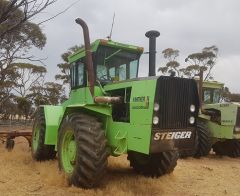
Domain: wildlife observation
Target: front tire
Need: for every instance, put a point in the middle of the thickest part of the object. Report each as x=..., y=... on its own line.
x=204, y=143
x=154, y=165
x=229, y=148
x=82, y=150
x=40, y=151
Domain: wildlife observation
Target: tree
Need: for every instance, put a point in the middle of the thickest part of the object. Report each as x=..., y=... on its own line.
x=204, y=60
x=15, y=44
x=14, y=13
x=172, y=64
x=28, y=76
x=54, y=93
x=50, y=93
x=64, y=67
x=24, y=106
x=230, y=97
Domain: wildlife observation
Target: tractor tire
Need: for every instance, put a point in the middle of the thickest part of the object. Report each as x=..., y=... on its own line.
x=154, y=165
x=82, y=150
x=204, y=143
x=10, y=144
x=229, y=148
x=40, y=151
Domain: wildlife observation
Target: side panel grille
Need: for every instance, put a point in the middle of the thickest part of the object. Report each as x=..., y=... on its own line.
x=175, y=95
x=238, y=117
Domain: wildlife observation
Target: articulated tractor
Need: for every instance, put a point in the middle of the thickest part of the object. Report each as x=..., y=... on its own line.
x=222, y=120
x=112, y=111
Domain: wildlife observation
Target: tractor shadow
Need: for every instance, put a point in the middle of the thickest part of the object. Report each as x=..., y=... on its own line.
x=127, y=180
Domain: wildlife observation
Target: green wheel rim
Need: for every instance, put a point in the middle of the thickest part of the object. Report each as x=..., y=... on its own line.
x=68, y=151
x=35, y=140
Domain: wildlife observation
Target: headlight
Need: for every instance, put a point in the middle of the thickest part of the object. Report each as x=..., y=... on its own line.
x=237, y=129
x=155, y=120
x=192, y=108
x=156, y=107
x=191, y=120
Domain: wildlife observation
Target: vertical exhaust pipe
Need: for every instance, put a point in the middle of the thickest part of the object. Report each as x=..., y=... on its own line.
x=89, y=60
x=152, y=35
x=200, y=89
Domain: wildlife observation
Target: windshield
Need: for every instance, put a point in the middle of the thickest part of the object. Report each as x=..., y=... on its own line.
x=115, y=64
x=211, y=95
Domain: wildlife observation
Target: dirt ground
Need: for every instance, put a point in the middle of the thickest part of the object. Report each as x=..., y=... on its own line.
x=212, y=175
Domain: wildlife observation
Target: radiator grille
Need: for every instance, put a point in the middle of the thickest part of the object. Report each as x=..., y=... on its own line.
x=175, y=95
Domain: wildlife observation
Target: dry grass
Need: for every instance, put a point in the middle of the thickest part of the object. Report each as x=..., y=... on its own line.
x=20, y=175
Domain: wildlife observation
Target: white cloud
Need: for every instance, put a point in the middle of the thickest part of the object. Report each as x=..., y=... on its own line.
x=187, y=25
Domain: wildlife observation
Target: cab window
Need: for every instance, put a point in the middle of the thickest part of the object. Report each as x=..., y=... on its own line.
x=115, y=64
x=77, y=72
x=211, y=95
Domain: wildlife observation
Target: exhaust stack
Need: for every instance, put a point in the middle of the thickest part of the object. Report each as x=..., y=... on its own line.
x=89, y=61
x=152, y=35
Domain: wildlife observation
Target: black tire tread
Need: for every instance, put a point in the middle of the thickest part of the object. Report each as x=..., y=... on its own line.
x=204, y=140
x=230, y=147
x=91, y=161
x=43, y=152
x=155, y=165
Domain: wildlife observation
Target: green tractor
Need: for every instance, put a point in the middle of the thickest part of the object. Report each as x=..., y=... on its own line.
x=218, y=124
x=111, y=111
x=222, y=120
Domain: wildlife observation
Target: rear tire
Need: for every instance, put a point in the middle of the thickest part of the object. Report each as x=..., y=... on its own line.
x=40, y=151
x=229, y=148
x=154, y=165
x=204, y=143
x=10, y=144
x=82, y=150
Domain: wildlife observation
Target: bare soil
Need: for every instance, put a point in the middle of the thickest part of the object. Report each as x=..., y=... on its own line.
x=212, y=175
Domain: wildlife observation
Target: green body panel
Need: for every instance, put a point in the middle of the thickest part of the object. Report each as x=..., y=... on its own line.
x=225, y=128
x=53, y=116
x=122, y=136
x=136, y=134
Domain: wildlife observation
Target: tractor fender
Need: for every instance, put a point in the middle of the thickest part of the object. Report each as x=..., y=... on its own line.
x=53, y=116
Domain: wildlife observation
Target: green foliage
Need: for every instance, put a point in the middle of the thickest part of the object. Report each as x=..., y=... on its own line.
x=50, y=93
x=24, y=106
x=28, y=76
x=15, y=13
x=16, y=43
x=172, y=64
x=204, y=60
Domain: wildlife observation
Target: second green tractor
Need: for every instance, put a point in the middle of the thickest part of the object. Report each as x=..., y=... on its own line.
x=221, y=122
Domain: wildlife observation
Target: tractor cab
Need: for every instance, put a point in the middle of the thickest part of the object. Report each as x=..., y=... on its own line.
x=212, y=92
x=112, y=62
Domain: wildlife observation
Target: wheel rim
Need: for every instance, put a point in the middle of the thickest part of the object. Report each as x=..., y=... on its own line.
x=35, y=140
x=68, y=151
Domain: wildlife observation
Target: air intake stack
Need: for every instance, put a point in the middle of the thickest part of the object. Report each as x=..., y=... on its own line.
x=152, y=35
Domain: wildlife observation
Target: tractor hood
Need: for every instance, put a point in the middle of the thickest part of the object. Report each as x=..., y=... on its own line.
x=226, y=113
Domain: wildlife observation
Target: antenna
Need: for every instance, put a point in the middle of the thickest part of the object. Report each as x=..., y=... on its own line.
x=110, y=35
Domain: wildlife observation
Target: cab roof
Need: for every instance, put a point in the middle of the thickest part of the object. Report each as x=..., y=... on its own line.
x=212, y=84
x=101, y=42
